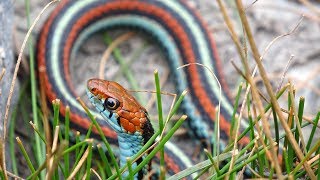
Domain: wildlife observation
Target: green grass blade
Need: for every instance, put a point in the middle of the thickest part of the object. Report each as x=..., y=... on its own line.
x=89, y=159
x=56, y=108
x=25, y=155
x=105, y=162
x=316, y=120
x=160, y=145
x=279, y=94
x=214, y=164
x=66, y=136
x=160, y=116
x=290, y=150
x=177, y=104
x=2, y=175
x=313, y=149
x=300, y=115
x=241, y=157
x=233, y=117
x=12, y=128
x=199, y=166
x=76, y=146
x=78, y=157
x=39, y=148
x=245, y=162
x=276, y=127
x=129, y=165
x=318, y=171
x=271, y=173
x=11, y=141
x=77, y=150
x=286, y=162
x=101, y=170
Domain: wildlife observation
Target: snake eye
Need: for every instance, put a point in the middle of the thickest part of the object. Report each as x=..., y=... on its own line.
x=111, y=103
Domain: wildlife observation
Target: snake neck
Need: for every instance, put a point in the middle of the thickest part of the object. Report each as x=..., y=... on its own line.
x=131, y=144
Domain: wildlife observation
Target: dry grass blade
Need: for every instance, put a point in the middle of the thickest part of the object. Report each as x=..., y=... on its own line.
x=269, y=46
x=314, y=159
x=281, y=36
x=45, y=111
x=18, y=64
x=251, y=5
x=255, y=147
x=265, y=124
x=284, y=73
x=285, y=8
x=2, y=73
x=248, y=88
x=15, y=177
x=55, y=159
x=303, y=117
x=84, y=176
x=50, y=164
x=255, y=94
x=55, y=139
x=96, y=173
x=311, y=6
x=152, y=100
x=168, y=118
x=6, y=115
x=268, y=86
x=109, y=50
x=2, y=158
x=81, y=162
x=218, y=108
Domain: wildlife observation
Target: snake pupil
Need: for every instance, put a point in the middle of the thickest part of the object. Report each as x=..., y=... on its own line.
x=111, y=103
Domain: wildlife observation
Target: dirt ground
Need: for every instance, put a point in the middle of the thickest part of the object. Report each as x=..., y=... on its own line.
x=268, y=20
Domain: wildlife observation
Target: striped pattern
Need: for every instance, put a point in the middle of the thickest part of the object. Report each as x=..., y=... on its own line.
x=178, y=30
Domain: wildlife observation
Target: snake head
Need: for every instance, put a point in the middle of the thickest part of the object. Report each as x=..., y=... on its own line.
x=121, y=110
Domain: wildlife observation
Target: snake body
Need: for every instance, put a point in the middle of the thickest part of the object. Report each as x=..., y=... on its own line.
x=179, y=31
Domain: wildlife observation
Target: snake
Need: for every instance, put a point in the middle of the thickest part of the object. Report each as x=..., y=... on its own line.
x=124, y=115
x=184, y=38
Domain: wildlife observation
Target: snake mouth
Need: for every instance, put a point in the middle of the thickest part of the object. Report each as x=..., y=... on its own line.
x=95, y=100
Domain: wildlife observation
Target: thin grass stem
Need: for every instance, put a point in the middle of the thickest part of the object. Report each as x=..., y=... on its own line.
x=160, y=118
x=311, y=137
x=94, y=121
x=25, y=155
x=105, y=162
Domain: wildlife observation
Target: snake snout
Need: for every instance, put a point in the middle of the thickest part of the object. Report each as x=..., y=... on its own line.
x=93, y=85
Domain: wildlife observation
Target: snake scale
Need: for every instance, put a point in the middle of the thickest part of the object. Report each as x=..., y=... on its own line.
x=178, y=30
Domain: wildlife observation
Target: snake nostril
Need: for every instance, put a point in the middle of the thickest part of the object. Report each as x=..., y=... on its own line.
x=92, y=89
